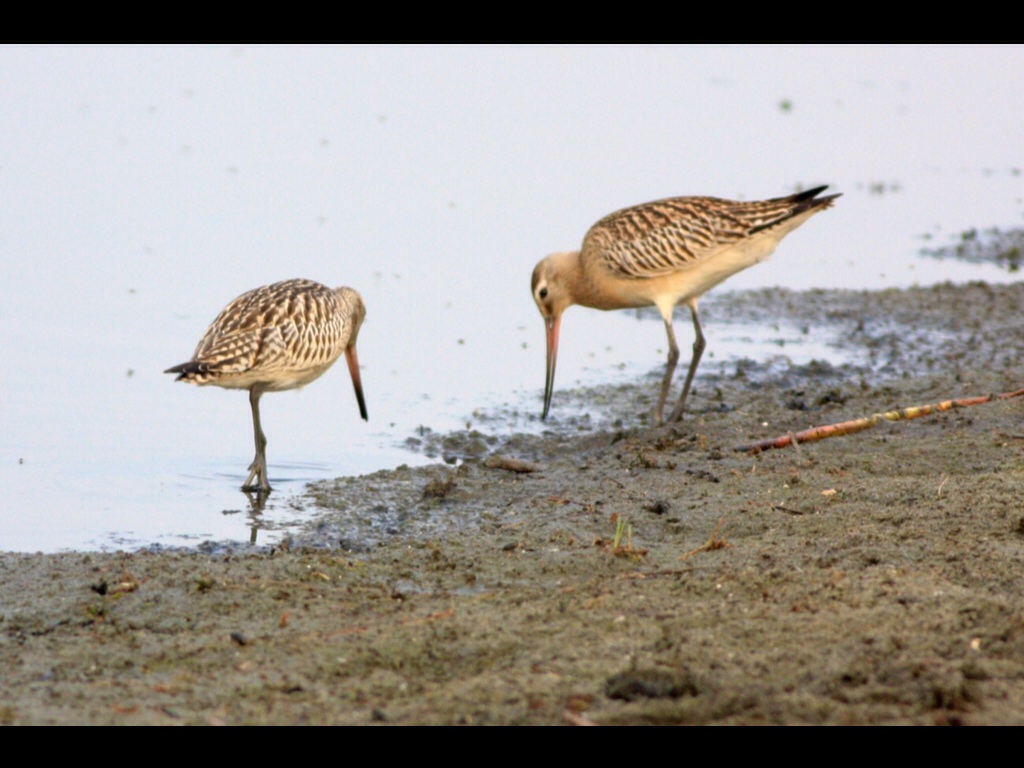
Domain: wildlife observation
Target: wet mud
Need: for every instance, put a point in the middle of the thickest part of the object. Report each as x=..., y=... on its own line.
x=600, y=572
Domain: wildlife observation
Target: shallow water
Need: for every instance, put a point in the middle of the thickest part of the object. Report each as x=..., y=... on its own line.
x=145, y=187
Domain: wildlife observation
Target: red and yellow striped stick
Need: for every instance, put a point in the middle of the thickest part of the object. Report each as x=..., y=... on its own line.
x=858, y=425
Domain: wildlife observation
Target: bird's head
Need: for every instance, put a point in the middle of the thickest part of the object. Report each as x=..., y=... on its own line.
x=551, y=286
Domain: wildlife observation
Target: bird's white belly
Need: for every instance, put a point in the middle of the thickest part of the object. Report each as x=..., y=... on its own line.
x=276, y=381
x=694, y=280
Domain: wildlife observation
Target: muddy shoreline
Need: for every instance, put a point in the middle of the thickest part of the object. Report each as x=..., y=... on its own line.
x=628, y=577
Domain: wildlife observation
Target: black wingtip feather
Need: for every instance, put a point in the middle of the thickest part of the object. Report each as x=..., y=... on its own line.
x=803, y=201
x=809, y=194
x=185, y=369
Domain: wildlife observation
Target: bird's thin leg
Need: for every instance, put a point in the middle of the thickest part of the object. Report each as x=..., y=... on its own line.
x=698, y=350
x=258, y=468
x=673, y=359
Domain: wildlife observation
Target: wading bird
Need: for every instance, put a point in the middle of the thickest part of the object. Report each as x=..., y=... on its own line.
x=277, y=337
x=664, y=253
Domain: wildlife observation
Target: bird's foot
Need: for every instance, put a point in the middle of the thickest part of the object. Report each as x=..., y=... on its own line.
x=667, y=432
x=677, y=414
x=656, y=420
x=258, y=472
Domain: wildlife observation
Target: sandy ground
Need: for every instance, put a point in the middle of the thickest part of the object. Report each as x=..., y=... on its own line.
x=631, y=577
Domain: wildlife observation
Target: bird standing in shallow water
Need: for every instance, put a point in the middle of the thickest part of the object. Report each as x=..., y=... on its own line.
x=277, y=337
x=664, y=253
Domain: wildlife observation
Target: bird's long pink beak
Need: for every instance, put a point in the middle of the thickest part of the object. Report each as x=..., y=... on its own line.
x=551, y=325
x=357, y=382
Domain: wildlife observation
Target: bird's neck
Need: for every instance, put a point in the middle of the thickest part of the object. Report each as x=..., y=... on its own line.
x=574, y=281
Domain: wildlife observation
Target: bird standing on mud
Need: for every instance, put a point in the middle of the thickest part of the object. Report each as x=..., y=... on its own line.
x=278, y=337
x=664, y=253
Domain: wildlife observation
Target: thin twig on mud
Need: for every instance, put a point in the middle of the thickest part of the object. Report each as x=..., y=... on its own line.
x=429, y=617
x=787, y=510
x=713, y=543
x=573, y=719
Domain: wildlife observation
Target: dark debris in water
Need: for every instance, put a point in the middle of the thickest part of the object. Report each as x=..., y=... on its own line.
x=1002, y=247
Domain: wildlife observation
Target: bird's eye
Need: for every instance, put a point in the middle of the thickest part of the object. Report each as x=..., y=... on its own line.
x=543, y=293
